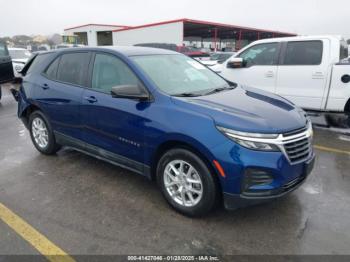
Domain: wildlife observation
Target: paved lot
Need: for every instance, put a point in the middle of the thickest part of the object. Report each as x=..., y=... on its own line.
x=86, y=206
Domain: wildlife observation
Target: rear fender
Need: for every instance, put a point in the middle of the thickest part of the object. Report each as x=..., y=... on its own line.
x=339, y=91
x=15, y=93
x=23, y=103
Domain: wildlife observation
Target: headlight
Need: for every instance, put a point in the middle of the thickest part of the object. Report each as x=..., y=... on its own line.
x=257, y=145
x=309, y=128
x=249, y=140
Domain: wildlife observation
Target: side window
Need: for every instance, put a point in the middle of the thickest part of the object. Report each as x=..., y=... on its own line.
x=303, y=53
x=344, y=53
x=3, y=50
x=261, y=54
x=51, y=71
x=72, y=68
x=36, y=63
x=110, y=71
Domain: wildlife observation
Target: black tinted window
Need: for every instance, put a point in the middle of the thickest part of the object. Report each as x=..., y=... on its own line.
x=51, y=71
x=109, y=71
x=36, y=63
x=262, y=54
x=344, y=53
x=303, y=53
x=72, y=68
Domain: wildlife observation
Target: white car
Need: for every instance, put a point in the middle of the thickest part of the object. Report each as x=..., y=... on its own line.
x=310, y=71
x=61, y=46
x=217, y=59
x=19, y=58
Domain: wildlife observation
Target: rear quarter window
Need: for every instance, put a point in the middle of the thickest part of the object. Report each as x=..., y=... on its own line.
x=51, y=71
x=37, y=63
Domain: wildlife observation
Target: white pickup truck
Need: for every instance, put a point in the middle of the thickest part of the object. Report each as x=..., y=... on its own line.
x=311, y=71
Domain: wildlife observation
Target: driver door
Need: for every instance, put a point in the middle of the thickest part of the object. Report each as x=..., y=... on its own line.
x=6, y=69
x=113, y=127
x=259, y=67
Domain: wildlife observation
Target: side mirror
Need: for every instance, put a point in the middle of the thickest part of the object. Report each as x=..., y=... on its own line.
x=130, y=92
x=235, y=62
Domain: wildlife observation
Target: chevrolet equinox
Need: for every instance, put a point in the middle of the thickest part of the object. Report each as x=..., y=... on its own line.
x=161, y=114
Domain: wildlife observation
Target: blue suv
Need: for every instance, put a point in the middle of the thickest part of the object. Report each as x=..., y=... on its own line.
x=161, y=114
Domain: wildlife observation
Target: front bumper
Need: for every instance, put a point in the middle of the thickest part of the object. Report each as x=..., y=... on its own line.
x=235, y=201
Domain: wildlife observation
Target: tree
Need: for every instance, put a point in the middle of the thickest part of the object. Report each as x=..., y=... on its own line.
x=348, y=41
x=54, y=39
x=22, y=39
x=5, y=39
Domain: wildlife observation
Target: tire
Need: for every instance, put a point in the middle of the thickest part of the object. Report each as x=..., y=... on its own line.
x=175, y=193
x=50, y=146
x=0, y=92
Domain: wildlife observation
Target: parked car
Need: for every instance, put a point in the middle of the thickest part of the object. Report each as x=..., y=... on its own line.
x=43, y=48
x=189, y=51
x=166, y=116
x=193, y=52
x=6, y=70
x=61, y=46
x=19, y=58
x=218, y=65
x=305, y=69
x=217, y=58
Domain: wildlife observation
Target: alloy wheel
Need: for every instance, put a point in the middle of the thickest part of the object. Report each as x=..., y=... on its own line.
x=183, y=183
x=40, y=132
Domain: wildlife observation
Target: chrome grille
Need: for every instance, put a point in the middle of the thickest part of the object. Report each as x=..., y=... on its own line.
x=294, y=132
x=297, y=146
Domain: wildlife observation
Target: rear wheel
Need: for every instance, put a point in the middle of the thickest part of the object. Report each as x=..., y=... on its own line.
x=41, y=134
x=186, y=182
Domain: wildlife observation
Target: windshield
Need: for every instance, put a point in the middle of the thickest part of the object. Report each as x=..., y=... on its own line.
x=178, y=74
x=19, y=54
x=220, y=56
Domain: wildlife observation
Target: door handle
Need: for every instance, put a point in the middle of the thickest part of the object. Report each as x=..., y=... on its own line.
x=91, y=99
x=269, y=74
x=317, y=75
x=45, y=86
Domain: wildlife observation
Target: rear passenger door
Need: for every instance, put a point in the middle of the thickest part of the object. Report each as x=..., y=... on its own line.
x=302, y=73
x=61, y=87
x=6, y=69
x=113, y=124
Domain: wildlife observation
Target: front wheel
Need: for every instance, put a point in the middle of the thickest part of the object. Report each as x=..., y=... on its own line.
x=41, y=134
x=186, y=182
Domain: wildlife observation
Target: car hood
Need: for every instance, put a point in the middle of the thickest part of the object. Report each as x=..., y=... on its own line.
x=20, y=60
x=209, y=62
x=248, y=110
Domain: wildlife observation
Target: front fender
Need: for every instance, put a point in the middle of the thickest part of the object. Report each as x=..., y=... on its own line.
x=190, y=141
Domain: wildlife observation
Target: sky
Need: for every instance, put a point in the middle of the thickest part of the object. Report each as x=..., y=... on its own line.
x=46, y=17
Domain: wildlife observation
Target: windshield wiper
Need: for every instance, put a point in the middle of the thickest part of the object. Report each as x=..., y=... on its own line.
x=186, y=94
x=219, y=89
